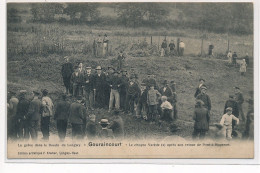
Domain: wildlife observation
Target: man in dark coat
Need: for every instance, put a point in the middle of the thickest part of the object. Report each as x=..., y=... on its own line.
x=117, y=126
x=77, y=116
x=66, y=72
x=240, y=100
x=142, y=106
x=201, y=117
x=11, y=116
x=21, y=116
x=133, y=94
x=150, y=80
x=123, y=89
x=34, y=115
x=205, y=98
x=81, y=73
x=99, y=86
x=166, y=90
x=61, y=116
x=88, y=88
x=198, y=90
x=120, y=60
x=211, y=47
x=234, y=59
x=172, y=47
x=75, y=82
x=231, y=102
x=91, y=127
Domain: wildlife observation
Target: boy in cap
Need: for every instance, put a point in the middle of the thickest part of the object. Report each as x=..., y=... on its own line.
x=105, y=133
x=91, y=127
x=167, y=110
x=226, y=122
x=152, y=100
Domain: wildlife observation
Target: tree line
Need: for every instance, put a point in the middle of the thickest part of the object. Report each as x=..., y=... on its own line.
x=213, y=17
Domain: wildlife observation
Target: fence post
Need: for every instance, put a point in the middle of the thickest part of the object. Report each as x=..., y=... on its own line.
x=151, y=40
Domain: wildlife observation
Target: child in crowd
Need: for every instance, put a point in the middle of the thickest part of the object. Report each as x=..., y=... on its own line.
x=226, y=122
x=167, y=108
x=152, y=100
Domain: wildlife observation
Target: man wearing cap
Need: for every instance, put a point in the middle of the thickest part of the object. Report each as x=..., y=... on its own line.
x=205, y=98
x=34, y=115
x=226, y=122
x=166, y=90
x=123, y=89
x=172, y=47
x=81, y=79
x=120, y=60
x=201, y=117
x=163, y=48
x=105, y=133
x=75, y=82
x=240, y=100
x=117, y=126
x=12, y=110
x=77, y=115
x=198, y=90
x=142, y=106
x=66, y=72
x=132, y=96
x=21, y=116
x=99, y=86
x=115, y=84
x=47, y=113
x=61, y=116
x=88, y=88
x=150, y=80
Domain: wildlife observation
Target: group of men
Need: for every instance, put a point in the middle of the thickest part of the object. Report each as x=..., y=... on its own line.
x=100, y=46
x=170, y=49
x=232, y=111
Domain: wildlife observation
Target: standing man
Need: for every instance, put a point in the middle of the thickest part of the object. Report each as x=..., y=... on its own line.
x=66, y=72
x=75, y=82
x=123, y=89
x=198, y=90
x=21, y=116
x=47, y=113
x=99, y=86
x=166, y=90
x=234, y=59
x=88, y=88
x=76, y=118
x=240, y=100
x=11, y=116
x=120, y=60
x=81, y=79
x=172, y=47
x=115, y=84
x=211, y=47
x=105, y=45
x=229, y=56
x=203, y=96
x=34, y=115
x=182, y=47
x=163, y=48
x=61, y=116
x=142, y=107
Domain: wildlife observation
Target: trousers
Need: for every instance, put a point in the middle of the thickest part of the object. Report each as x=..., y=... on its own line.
x=33, y=128
x=45, y=127
x=76, y=131
x=199, y=132
x=62, y=128
x=227, y=130
x=89, y=95
x=114, y=95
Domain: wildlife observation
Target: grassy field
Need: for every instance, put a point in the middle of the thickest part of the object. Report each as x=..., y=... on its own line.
x=30, y=70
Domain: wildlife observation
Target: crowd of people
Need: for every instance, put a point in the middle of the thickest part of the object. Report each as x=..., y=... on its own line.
x=170, y=49
x=233, y=60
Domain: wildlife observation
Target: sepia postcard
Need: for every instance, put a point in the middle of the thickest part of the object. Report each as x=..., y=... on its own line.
x=132, y=80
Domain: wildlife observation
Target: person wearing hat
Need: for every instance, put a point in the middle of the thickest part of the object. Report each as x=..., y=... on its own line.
x=77, y=115
x=120, y=60
x=11, y=116
x=47, y=113
x=166, y=90
x=153, y=97
x=211, y=47
x=117, y=125
x=181, y=47
x=198, y=89
x=123, y=89
x=105, y=45
x=34, y=115
x=61, y=116
x=172, y=47
x=240, y=100
x=133, y=94
x=243, y=66
x=75, y=82
x=21, y=116
x=150, y=80
x=142, y=106
x=163, y=48
x=234, y=59
x=105, y=132
x=99, y=88
x=91, y=127
x=204, y=97
x=88, y=88
x=231, y=102
x=114, y=83
x=201, y=117
x=226, y=122
x=166, y=110
x=66, y=72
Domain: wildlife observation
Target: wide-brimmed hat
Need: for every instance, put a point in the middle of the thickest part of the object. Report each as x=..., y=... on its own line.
x=104, y=121
x=22, y=92
x=98, y=68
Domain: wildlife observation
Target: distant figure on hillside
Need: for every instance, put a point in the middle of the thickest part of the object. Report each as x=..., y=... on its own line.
x=247, y=59
x=198, y=90
x=229, y=57
x=66, y=72
x=234, y=59
x=120, y=60
x=182, y=47
x=172, y=47
x=211, y=47
x=201, y=117
x=243, y=66
x=105, y=45
x=163, y=48
x=99, y=47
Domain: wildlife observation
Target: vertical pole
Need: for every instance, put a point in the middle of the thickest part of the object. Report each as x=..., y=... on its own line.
x=201, y=50
x=228, y=43
x=151, y=40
